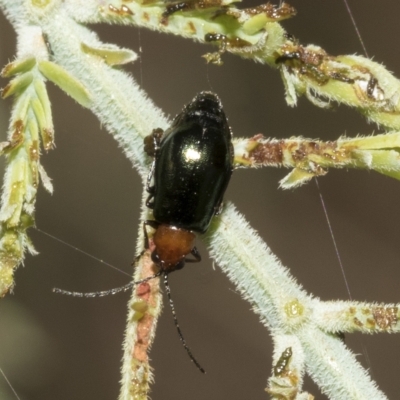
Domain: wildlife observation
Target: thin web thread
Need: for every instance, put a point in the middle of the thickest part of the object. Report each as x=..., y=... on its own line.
x=82, y=251
x=356, y=27
x=9, y=384
x=364, y=348
x=333, y=239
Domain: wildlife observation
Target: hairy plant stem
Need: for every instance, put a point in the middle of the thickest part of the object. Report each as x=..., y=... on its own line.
x=82, y=66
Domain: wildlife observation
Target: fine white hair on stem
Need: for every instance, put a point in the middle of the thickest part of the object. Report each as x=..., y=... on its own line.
x=54, y=44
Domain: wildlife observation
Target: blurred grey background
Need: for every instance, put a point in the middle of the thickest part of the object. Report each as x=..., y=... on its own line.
x=57, y=347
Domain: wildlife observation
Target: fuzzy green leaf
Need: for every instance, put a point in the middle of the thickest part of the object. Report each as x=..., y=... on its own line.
x=65, y=81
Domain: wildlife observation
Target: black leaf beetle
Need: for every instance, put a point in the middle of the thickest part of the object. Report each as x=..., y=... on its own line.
x=193, y=163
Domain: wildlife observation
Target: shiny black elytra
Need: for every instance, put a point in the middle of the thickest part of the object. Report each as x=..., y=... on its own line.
x=193, y=163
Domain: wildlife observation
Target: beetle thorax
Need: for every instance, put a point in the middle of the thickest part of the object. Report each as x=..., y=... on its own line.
x=172, y=245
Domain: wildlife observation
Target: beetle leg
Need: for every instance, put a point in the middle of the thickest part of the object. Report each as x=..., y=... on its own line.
x=146, y=243
x=150, y=222
x=195, y=253
x=218, y=208
x=150, y=189
x=152, y=142
x=149, y=203
x=146, y=236
x=137, y=258
x=153, y=224
x=152, y=147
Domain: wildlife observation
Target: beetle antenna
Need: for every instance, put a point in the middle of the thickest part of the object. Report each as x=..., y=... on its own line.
x=171, y=303
x=106, y=292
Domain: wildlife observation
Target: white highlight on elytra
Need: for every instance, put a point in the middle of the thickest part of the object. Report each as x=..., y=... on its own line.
x=192, y=155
